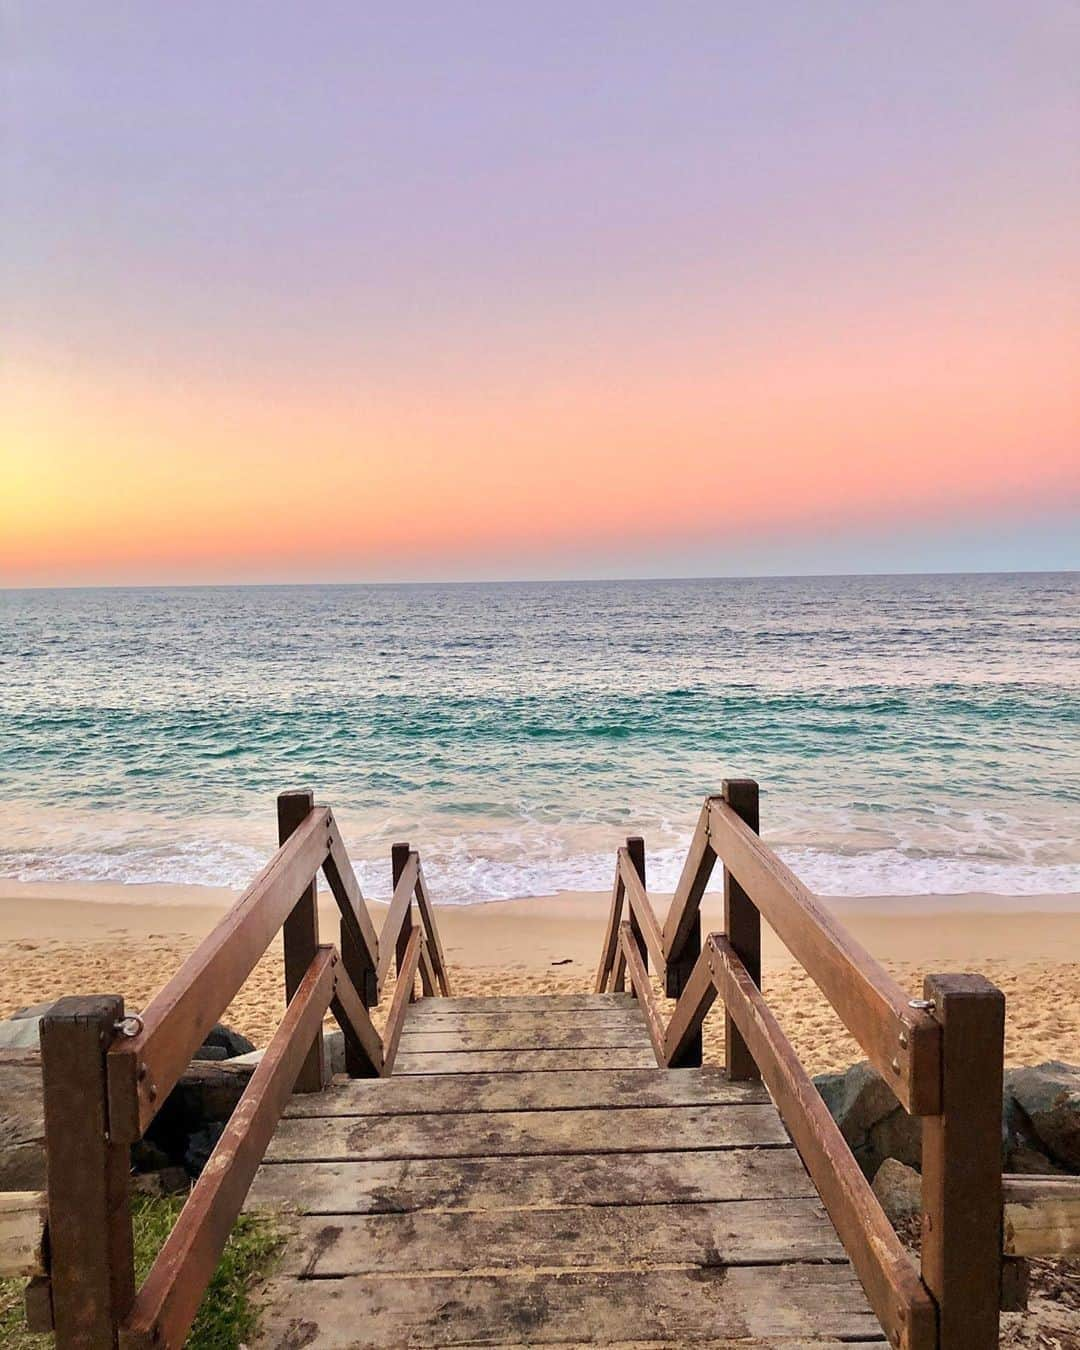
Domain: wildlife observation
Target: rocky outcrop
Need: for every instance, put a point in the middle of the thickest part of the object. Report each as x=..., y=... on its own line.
x=1040, y=1129
x=872, y=1121
x=1042, y=1108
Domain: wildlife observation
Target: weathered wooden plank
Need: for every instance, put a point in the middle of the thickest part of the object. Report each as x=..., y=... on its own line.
x=1042, y=1216
x=430, y=1020
x=600, y=1179
x=498, y=1004
x=486, y=1134
x=721, y=1233
x=526, y=1035
x=455, y=1093
x=520, y=1061
x=783, y=1301
x=22, y=1233
x=682, y=1039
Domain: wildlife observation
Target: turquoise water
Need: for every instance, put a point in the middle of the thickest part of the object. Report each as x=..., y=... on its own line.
x=911, y=734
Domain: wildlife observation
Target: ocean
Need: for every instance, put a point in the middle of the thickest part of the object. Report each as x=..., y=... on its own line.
x=910, y=734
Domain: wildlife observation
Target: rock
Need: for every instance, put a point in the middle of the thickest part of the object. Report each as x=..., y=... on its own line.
x=230, y=1042
x=164, y=1181
x=1042, y=1105
x=200, y=1145
x=898, y=1189
x=206, y=1095
x=864, y=1107
x=896, y=1135
x=212, y=1053
x=22, y=1123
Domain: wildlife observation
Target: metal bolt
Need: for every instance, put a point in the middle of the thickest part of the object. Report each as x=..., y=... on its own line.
x=895, y=1066
x=903, y=1040
x=151, y=1092
x=922, y=1004
x=129, y=1026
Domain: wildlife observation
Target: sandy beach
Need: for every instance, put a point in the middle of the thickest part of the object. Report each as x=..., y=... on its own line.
x=83, y=938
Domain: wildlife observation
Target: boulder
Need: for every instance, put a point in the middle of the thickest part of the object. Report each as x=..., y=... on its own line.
x=230, y=1044
x=22, y=1123
x=1042, y=1112
x=898, y=1189
x=870, y=1118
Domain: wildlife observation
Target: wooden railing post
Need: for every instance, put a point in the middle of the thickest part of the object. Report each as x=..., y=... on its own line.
x=742, y=924
x=635, y=849
x=91, y=1264
x=300, y=934
x=399, y=857
x=961, y=1164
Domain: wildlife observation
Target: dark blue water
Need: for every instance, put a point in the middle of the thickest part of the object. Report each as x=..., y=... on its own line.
x=910, y=734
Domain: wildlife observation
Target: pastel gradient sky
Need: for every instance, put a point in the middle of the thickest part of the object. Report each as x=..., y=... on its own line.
x=365, y=292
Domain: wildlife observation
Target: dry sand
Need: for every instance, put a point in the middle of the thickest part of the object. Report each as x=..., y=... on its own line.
x=74, y=938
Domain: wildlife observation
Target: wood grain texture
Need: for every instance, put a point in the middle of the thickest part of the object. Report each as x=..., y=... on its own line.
x=731, y=1233
x=785, y=1301
x=1041, y=1216
x=524, y=1061
x=516, y=1183
x=490, y=1134
x=534, y=1035
x=22, y=1233
x=455, y=1093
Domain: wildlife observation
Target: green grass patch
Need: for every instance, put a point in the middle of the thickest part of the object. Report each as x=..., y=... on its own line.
x=227, y=1315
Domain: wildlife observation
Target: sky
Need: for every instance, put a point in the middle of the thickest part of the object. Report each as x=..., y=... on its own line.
x=486, y=290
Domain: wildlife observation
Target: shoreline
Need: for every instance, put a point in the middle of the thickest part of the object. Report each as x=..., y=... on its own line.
x=58, y=938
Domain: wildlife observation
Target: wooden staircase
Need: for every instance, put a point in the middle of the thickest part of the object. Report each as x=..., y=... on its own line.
x=529, y=1176
x=540, y=1170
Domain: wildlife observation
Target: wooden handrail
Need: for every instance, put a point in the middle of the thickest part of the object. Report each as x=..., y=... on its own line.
x=396, y=916
x=395, y=1018
x=951, y=1304
x=897, y=1295
x=144, y=1069
x=166, y=1305
x=903, y=1044
x=642, y=909
x=104, y=1085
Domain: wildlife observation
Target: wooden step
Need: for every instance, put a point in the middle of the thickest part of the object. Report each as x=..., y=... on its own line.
x=455, y=1093
x=513, y=1182
x=528, y=1176
x=780, y=1305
